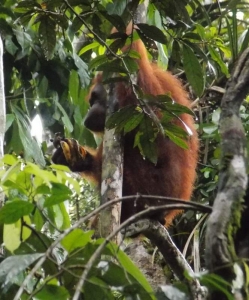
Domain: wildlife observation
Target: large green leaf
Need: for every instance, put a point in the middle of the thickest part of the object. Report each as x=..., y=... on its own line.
x=216, y=57
x=131, y=268
x=14, y=210
x=152, y=32
x=82, y=70
x=122, y=118
x=26, y=6
x=115, y=20
x=51, y=292
x=193, y=70
x=58, y=193
x=76, y=239
x=47, y=36
x=96, y=288
x=117, y=7
x=145, y=138
x=13, y=265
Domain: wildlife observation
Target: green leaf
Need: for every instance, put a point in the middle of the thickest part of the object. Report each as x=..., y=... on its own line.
x=52, y=292
x=112, y=66
x=175, y=139
x=133, y=122
x=117, y=7
x=73, y=87
x=59, y=193
x=13, y=170
x=216, y=116
x=145, y=138
x=130, y=64
x=152, y=32
x=216, y=282
x=193, y=70
x=30, y=145
x=12, y=235
x=118, y=119
x=165, y=103
x=47, y=36
x=177, y=130
x=131, y=268
x=82, y=70
x=9, y=120
x=96, y=288
x=66, y=223
x=59, y=216
x=42, y=189
x=97, y=61
x=38, y=220
x=66, y=121
x=9, y=159
x=45, y=175
x=216, y=57
x=13, y=265
x=245, y=40
x=14, y=210
x=76, y=239
x=115, y=20
x=26, y=6
x=88, y=47
x=117, y=44
x=209, y=129
x=24, y=39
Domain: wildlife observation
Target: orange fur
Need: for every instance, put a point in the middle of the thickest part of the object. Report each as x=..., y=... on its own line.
x=174, y=174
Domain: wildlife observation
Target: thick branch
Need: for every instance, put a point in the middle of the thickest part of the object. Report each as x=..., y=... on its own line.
x=225, y=218
x=112, y=176
x=159, y=235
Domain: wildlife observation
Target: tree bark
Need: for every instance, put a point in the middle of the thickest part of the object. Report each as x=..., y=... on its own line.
x=224, y=221
x=112, y=176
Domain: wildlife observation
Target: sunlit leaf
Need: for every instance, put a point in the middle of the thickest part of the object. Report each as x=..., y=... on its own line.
x=76, y=239
x=14, y=210
x=51, y=292
x=26, y=232
x=59, y=193
x=9, y=159
x=12, y=235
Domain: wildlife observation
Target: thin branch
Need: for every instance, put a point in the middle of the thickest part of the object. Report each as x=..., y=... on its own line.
x=2, y=114
x=77, y=224
x=108, y=239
